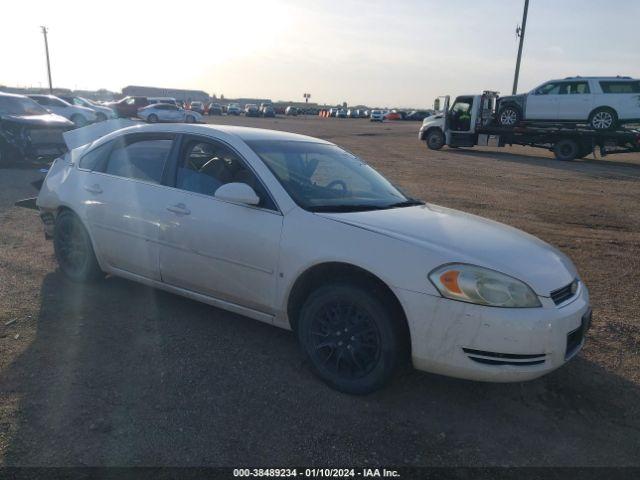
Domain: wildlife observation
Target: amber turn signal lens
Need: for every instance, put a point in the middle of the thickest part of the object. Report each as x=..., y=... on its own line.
x=450, y=280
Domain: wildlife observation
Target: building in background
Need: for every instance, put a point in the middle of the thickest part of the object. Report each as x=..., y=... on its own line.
x=177, y=93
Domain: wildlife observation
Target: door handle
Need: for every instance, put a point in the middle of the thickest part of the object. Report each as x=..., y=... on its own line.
x=95, y=188
x=179, y=208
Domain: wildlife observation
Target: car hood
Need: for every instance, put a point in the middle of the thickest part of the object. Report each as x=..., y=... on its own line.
x=454, y=236
x=43, y=120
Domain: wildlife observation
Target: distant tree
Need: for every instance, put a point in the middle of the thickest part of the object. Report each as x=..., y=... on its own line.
x=221, y=96
x=344, y=104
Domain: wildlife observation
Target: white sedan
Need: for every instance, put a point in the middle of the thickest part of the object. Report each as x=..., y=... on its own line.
x=166, y=112
x=78, y=114
x=298, y=233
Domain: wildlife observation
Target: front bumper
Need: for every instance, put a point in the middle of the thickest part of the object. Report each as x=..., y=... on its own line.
x=494, y=344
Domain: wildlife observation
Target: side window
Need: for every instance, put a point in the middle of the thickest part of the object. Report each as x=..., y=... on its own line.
x=43, y=101
x=141, y=158
x=94, y=158
x=549, y=89
x=204, y=166
x=571, y=88
x=632, y=86
x=130, y=101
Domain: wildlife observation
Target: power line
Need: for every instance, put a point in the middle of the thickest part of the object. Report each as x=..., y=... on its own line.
x=520, y=33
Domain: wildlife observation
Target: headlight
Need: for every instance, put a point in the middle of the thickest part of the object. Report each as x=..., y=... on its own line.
x=468, y=283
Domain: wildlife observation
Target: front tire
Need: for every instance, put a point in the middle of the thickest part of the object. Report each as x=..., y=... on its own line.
x=435, y=139
x=509, y=116
x=153, y=118
x=101, y=117
x=190, y=119
x=350, y=337
x=603, y=119
x=73, y=249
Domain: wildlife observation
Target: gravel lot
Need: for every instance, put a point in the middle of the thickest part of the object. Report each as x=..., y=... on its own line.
x=120, y=374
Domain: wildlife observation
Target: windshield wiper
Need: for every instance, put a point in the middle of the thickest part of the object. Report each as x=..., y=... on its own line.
x=411, y=202
x=345, y=208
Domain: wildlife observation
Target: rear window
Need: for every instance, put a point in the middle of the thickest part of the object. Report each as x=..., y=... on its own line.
x=632, y=86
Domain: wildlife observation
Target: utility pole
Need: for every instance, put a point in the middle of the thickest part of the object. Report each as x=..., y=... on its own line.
x=520, y=33
x=46, y=49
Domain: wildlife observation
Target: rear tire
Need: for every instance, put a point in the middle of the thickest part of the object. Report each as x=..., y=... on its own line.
x=190, y=119
x=603, y=118
x=509, y=116
x=351, y=338
x=435, y=139
x=566, y=150
x=73, y=249
x=101, y=117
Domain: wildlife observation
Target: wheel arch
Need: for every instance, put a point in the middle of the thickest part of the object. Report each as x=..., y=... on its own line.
x=430, y=129
x=604, y=107
x=327, y=272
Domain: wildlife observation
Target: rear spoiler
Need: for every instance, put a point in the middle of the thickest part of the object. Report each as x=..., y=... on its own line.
x=84, y=135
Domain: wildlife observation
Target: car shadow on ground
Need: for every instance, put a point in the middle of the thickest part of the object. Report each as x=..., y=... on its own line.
x=121, y=374
x=585, y=165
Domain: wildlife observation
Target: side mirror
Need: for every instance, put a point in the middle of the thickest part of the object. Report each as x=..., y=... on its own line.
x=237, y=193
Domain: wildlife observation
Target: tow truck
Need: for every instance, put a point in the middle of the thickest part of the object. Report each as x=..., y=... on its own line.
x=471, y=121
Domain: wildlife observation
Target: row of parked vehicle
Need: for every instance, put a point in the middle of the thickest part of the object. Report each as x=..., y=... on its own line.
x=377, y=115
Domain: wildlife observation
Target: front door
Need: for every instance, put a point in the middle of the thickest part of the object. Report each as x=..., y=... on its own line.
x=542, y=103
x=209, y=246
x=124, y=201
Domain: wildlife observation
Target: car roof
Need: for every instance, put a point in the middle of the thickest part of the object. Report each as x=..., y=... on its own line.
x=14, y=95
x=592, y=78
x=246, y=134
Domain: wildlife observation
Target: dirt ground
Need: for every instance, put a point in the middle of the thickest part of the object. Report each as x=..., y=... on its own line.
x=120, y=374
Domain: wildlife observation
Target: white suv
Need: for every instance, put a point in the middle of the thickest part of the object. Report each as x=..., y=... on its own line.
x=602, y=102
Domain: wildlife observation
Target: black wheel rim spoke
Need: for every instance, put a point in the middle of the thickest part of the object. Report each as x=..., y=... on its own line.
x=345, y=339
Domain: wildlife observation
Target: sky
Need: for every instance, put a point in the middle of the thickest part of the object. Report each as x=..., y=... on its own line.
x=387, y=53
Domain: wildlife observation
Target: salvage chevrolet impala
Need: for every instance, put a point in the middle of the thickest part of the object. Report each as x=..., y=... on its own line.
x=299, y=233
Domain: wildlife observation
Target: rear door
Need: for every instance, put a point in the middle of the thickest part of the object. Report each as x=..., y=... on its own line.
x=575, y=101
x=542, y=103
x=224, y=250
x=125, y=200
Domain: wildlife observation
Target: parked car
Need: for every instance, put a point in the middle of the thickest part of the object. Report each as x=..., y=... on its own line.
x=601, y=102
x=170, y=100
x=102, y=113
x=251, y=110
x=341, y=113
x=418, y=115
x=28, y=130
x=165, y=112
x=292, y=111
x=233, y=109
x=353, y=113
x=268, y=111
x=128, y=106
x=376, y=116
x=197, y=107
x=295, y=243
x=214, y=109
x=80, y=116
x=393, y=115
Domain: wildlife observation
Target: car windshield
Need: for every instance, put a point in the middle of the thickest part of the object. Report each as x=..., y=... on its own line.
x=324, y=178
x=20, y=106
